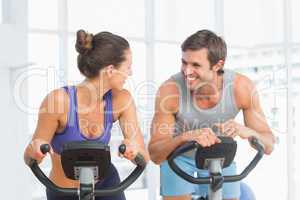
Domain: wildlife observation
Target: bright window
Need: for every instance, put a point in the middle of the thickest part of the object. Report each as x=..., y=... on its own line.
x=43, y=14
x=121, y=17
x=1, y=12
x=295, y=21
x=256, y=22
x=167, y=61
x=43, y=49
x=43, y=75
x=175, y=19
x=254, y=34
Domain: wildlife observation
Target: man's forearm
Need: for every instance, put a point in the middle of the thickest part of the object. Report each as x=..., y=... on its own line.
x=160, y=150
x=267, y=140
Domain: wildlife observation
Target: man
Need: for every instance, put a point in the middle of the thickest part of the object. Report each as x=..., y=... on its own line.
x=201, y=98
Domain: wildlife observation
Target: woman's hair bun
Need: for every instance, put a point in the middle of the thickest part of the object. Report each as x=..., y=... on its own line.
x=84, y=42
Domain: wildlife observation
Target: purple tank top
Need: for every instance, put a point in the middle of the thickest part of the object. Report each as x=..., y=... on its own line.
x=72, y=131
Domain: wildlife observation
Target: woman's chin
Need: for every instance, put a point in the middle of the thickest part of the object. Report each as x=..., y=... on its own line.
x=119, y=88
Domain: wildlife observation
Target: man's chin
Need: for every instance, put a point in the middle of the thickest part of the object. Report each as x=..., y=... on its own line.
x=190, y=87
x=191, y=83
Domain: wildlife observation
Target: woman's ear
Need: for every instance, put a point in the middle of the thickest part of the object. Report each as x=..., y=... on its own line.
x=109, y=70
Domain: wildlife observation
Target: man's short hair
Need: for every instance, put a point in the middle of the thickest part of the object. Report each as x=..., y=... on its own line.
x=206, y=39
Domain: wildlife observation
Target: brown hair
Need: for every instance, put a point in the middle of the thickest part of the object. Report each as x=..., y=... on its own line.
x=98, y=51
x=214, y=44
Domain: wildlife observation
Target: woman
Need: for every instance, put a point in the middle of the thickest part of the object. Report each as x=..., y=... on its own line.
x=87, y=111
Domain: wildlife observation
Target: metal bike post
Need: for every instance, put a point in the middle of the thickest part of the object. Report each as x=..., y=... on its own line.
x=215, y=189
x=86, y=178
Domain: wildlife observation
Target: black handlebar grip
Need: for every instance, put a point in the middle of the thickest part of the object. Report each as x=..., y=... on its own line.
x=122, y=148
x=139, y=160
x=45, y=148
x=257, y=144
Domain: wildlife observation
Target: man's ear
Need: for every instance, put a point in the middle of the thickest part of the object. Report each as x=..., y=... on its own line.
x=109, y=70
x=218, y=66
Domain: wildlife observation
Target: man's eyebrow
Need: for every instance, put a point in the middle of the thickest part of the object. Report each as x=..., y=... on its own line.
x=196, y=64
x=193, y=63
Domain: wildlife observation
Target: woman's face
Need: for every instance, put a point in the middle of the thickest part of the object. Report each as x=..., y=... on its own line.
x=121, y=73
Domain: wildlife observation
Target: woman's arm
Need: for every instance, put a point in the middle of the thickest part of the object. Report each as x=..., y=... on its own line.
x=128, y=121
x=48, y=122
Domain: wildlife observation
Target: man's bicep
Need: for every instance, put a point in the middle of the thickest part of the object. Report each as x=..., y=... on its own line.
x=166, y=103
x=162, y=125
x=254, y=116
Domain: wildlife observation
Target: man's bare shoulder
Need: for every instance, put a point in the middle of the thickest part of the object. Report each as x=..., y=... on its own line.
x=168, y=96
x=169, y=87
x=244, y=89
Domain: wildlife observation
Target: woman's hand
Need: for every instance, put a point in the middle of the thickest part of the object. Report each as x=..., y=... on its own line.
x=34, y=151
x=132, y=149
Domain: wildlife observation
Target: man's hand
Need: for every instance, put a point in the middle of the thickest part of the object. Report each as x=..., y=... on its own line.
x=232, y=129
x=205, y=137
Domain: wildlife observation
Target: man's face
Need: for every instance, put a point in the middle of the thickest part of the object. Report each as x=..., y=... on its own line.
x=196, y=68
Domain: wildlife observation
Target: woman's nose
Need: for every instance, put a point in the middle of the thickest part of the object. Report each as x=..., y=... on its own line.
x=130, y=72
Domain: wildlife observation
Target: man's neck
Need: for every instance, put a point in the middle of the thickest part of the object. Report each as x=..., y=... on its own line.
x=210, y=90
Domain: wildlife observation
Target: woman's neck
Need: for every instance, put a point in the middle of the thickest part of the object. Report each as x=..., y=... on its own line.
x=93, y=89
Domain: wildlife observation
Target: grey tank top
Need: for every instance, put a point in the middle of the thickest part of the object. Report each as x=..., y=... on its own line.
x=191, y=117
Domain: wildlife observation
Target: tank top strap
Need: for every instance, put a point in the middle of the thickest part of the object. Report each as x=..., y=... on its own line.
x=229, y=96
x=108, y=112
x=185, y=98
x=72, y=113
x=108, y=106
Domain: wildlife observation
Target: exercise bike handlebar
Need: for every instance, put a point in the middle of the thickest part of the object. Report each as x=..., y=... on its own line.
x=207, y=180
x=141, y=164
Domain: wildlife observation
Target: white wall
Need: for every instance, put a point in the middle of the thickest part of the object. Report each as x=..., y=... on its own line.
x=13, y=53
x=13, y=173
x=13, y=29
x=13, y=42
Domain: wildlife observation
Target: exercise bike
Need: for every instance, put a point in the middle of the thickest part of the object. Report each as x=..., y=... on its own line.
x=213, y=159
x=88, y=162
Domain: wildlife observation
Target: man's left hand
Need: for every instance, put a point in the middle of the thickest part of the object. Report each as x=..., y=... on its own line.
x=232, y=129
